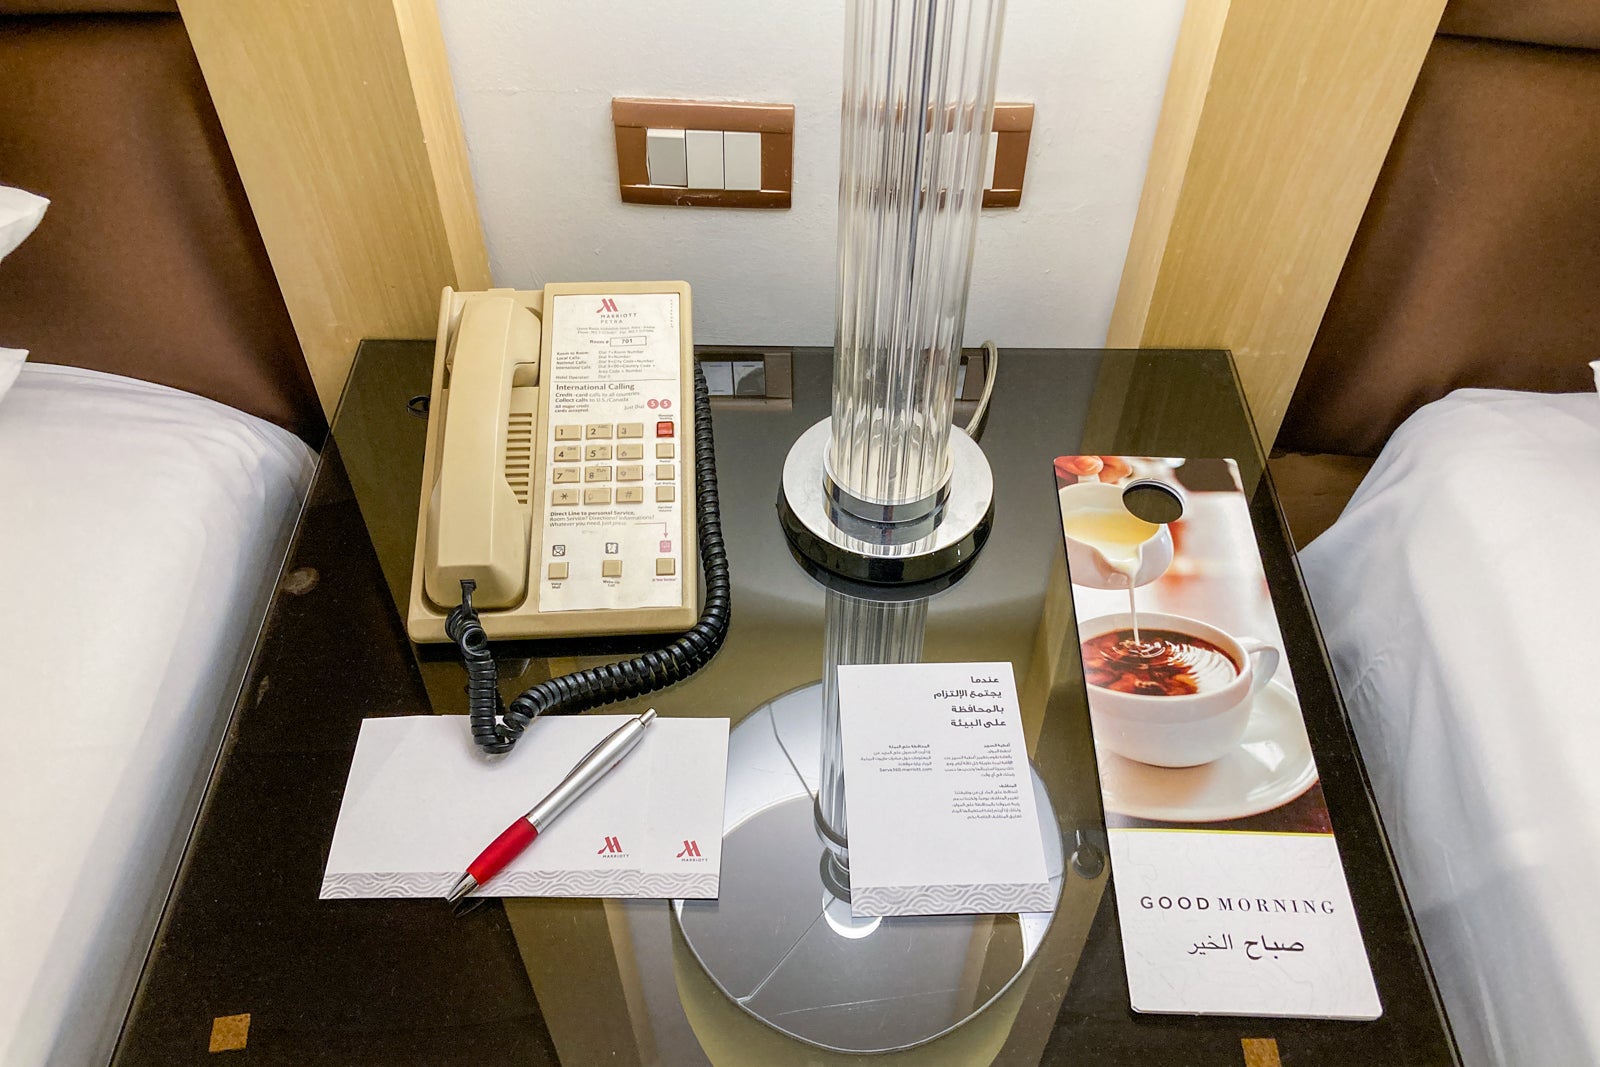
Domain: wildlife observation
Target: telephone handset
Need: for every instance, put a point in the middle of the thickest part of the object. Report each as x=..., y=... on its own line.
x=476, y=526
x=567, y=483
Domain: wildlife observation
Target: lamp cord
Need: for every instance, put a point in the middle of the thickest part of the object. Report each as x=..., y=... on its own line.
x=496, y=727
x=974, y=426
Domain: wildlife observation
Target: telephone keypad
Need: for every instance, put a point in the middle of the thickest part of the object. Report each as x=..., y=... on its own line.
x=608, y=469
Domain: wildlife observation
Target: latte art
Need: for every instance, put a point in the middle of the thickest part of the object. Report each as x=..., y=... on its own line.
x=1157, y=663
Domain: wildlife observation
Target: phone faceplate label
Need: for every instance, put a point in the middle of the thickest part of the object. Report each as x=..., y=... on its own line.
x=614, y=383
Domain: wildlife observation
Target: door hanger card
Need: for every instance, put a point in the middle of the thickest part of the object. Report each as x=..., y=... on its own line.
x=1230, y=892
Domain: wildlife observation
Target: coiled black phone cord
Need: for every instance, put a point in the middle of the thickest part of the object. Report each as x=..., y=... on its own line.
x=496, y=728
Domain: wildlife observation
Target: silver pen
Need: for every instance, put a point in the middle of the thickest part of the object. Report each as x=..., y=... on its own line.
x=600, y=761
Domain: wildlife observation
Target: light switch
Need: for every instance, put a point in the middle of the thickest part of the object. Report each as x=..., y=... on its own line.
x=666, y=158
x=749, y=377
x=741, y=160
x=719, y=377
x=705, y=158
x=988, y=162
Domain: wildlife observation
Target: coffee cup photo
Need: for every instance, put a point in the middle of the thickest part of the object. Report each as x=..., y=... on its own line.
x=1180, y=695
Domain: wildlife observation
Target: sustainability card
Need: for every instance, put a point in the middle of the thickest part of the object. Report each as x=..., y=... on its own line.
x=938, y=791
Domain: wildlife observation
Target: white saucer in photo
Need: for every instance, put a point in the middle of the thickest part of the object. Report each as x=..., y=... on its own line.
x=1270, y=767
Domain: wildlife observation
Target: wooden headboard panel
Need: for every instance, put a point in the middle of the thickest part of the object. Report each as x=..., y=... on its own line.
x=149, y=262
x=1478, y=259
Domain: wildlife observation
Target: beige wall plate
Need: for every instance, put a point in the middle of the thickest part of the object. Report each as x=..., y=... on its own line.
x=634, y=120
x=1013, y=127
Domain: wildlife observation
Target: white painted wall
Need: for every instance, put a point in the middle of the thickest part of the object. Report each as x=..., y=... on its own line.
x=534, y=81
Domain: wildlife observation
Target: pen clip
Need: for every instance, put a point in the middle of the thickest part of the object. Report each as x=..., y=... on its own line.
x=582, y=763
x=598, y=745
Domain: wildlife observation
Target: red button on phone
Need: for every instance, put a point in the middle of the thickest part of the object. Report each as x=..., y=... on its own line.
x=663, y=429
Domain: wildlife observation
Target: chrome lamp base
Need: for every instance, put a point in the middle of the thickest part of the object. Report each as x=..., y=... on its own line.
x=890, y=546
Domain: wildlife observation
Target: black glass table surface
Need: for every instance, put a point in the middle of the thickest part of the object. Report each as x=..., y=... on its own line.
x=642, y=982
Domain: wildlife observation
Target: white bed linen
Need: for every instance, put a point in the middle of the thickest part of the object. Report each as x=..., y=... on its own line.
x=141, y=529
x=1458, y=594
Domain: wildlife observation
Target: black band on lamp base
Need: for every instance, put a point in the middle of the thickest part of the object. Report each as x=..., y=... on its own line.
x=941, y=541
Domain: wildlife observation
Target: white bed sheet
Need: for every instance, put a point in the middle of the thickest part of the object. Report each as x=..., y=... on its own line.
x=1458, y=594
x=141, y=529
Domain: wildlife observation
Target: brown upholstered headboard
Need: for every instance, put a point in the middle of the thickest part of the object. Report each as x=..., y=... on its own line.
x=1478, y=260
x=148, y=262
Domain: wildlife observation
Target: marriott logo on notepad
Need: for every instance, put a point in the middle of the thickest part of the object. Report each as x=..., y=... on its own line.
x=612, y=847
x=691, y=851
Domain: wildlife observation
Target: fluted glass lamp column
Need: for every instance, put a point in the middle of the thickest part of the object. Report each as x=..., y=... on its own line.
x=887, y=490
x=856, y=630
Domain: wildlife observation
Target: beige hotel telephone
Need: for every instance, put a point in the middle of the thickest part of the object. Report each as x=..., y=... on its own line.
x=568, y=445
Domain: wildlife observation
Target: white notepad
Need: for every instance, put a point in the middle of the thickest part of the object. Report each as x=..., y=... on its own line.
x=938, y=792
x=422, y=801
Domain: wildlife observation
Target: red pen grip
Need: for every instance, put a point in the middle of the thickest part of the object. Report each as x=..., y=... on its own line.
x=502, y=850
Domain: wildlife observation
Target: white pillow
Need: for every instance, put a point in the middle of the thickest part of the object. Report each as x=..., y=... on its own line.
x=10, y=366
x=20, y=212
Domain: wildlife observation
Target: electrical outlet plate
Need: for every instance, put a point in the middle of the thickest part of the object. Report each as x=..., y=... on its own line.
x=1013, y=124
x=774, y=123
x=748, y=379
